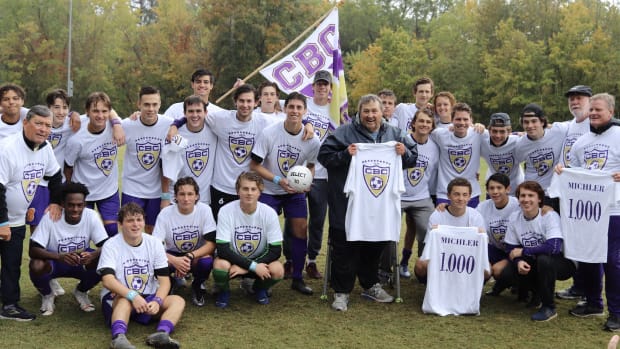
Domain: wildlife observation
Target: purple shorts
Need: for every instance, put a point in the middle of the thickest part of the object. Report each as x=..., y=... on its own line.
x=39, y=203
x=496, y=255
x=106, y=309
x=150, y=206
x=473, y=202
x=108, y=208
x=294, y=205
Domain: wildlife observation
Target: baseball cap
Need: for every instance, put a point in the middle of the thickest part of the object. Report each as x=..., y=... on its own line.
x=579, y=90
x=534, y=109
x=323, y=75
x=499, y=119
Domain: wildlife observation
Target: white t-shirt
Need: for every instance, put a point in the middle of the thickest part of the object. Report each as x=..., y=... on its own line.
x=62, y=237
x=458, y=257
x=502, y=160
x=374, y=184
x=497, y=220
x=404, y=113
x=59, y=138
x=175, y=111
x=575, y=130
x=183, y=233
x=418, y=179
x=318, y=116
x=471, y=218
x=134, y=266
x=9, y=129
x=249, y=235
x=532, y=233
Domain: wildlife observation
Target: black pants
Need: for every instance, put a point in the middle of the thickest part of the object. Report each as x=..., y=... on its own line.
x=219, y=199
x=11, y=259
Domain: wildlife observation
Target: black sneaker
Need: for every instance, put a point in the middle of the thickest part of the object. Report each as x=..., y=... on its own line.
x=17, y=313
x=585, y=310
x=612, y=324
x=569, y=293
x=544, y=314
x=198, y=296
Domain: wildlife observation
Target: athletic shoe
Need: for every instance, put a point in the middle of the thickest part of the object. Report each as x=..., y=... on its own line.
x=612, y=324
x=121, y=342
x=341, y=301
x=403, y=270
x=544, y=314
x=247, y=285
x=261, y=296
x=377, y=294
x=288, y=270
x=82, y=298
x=162, y=340
x=57, y=290
x=569, y=293
x=586, y=310
x=198, y=296
x=534, y=302
x=15, y=312
x=47, y=304
x=384, y=277
x=222, y=300
x=300, y=286
x=313, y=272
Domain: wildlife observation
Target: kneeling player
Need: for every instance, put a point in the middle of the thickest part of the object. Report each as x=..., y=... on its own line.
x=188, y=231
x=249, y=241
x=134, y=271
x=61, y=248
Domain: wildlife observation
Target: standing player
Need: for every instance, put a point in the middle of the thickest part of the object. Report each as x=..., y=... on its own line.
x=249, y=242
x=202, y=84
x=279, y=149
x=135, y=276
x=269, y=103
x=388, y=100
x=423, y=90
x=443, y=103
x=62, y=249
x=12, y=112
x=188, y=232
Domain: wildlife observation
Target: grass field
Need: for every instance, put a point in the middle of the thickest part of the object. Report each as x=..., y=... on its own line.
x=296, y=321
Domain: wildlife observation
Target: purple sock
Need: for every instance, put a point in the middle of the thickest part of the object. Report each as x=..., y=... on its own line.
x=111, y=229
x=406, y=256
x=201, y=270
x=118, y=327
x=299, y=248
x=165, y=326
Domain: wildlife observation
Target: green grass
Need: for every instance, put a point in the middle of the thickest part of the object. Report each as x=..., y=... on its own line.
x=296, y=321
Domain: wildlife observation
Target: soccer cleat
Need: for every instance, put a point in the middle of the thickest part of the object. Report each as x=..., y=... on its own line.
x=222, y=300
x=15, y=312
x=288, y=269
x=341, y=301
x=82, y=298
x=377, y=294
x=585, y=310
x=162, y=340
x=121, y=342
x=404, y=271
x=612, y=324
x=261, y=296
x=300, y=286
x=198, y=297
x=247, y=285
x=313, y=272
x=569, y=293
x=57, y=290
x=544, y=314
x=47, y=304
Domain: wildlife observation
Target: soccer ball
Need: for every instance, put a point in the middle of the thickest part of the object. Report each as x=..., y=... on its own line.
x=299, y=178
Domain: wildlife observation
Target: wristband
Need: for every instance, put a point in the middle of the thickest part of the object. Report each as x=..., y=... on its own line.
x=166, y=196
x=253, y=267
x=4, y=224
x=115, y=122
x=190, y=255
x=158, y=301
x=277, y=180
x=131, y=295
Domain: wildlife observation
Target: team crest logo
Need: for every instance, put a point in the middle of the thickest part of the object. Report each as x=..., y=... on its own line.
x=136, y=277
x=240, y=147
x=459, y=158
x=502, y=164
x=542, y=163
x=30, y=182
x=286, y=160
x=54, y=139
x=72, y=247
x=148, y=154
x=320, y=128
x=531, y=241
x=415, y=174
x=376, y=178
x=595, y=159
x=568, y=144
x=247, y=242
x=197, y=160
x=105, y=160
x=186, y=241
x=498, y=233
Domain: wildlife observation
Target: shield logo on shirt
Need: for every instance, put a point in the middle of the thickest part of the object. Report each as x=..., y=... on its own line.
x=54, y=139
x=136, y=277
x=498, y=233
x=197, y=160
x=246, y=242
x=240, y=147
x=376, y=178
x=30, y=182
x=542, y=163
x=459, y=158
x=568, y=144
x=186, y=241
x=148, y=154
x=72, y=247
x=502, y=164
x=286, y=160
x=415, y=174
x=595, y=159
x=105, y=160
x=320, y=127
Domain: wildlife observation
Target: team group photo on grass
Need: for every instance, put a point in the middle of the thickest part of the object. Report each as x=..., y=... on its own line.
x=406, y=211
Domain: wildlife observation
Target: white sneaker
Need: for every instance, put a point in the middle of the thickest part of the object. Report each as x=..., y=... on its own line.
x=57, y=290
x=341, y=301
x=377, y=294
x=47, y=304
x=82, y=298
x=404, y=271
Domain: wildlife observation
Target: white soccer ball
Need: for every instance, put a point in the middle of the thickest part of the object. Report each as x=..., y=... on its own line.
x=299, y=178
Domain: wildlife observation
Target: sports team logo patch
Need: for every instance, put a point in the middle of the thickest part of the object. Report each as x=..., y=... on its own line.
x=240, y=147
x=197, y=160
x=459, y=158
x=186, y=241
x=499, y=233
x=148, y=154
x=568, y=144
x=72, y=247
x=136, y=277
x=105, y=160
x=595, y=159
x=502, y=164
x=376, y=178
x=415, y=174
x=54, y=139
x=30, y=182
x=286, y=160
x=247, y=242
x=320, y=128
x=542, y=163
